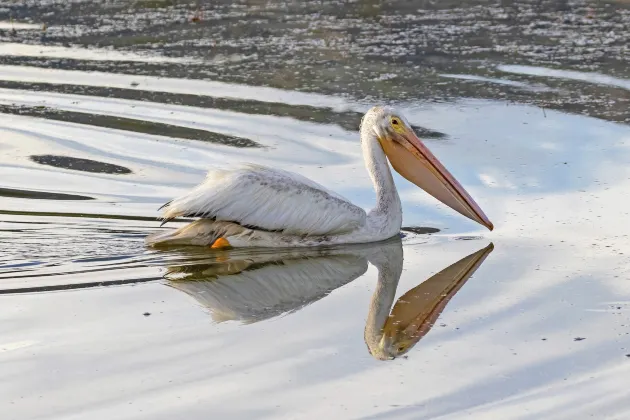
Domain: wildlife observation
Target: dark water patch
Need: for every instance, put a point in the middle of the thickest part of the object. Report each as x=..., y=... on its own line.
x=130, y=235
x=74, y=286
x=86, y=215
x=21, y=265
x=468, y=238
x=80, y=164
x=40, y=195
x=420, y=230
x=26, y=222
x=84, y=273
x=102, y=259
x=129, y=124
x=427, y=133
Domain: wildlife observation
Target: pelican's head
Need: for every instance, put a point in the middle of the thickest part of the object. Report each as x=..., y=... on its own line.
x=414, y=161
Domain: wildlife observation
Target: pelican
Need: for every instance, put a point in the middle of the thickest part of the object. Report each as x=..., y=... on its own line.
x=258, y=206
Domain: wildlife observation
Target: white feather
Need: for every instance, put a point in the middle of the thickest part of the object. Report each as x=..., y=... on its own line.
x=269, y=199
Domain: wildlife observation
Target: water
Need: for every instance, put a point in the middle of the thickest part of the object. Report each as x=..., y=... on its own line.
x=449, y=321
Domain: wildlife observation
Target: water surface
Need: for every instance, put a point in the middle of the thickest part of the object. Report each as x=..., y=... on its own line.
x=448, y=321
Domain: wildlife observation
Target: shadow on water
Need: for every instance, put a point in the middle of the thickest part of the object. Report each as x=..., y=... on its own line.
x=129, y=124
x=252, y=286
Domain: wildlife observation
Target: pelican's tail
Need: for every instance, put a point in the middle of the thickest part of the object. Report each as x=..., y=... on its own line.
x=201, y=232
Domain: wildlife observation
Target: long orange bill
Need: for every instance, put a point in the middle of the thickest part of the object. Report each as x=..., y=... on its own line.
x=414, y=161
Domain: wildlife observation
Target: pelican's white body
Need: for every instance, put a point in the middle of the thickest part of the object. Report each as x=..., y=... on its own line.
x=258, y=206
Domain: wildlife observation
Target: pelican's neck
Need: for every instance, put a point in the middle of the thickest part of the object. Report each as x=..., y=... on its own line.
x=387, y=200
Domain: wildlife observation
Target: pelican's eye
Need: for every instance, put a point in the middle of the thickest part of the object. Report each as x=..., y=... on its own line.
x=397, y=124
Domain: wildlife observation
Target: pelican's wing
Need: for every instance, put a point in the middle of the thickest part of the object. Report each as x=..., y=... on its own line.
x=260, y=197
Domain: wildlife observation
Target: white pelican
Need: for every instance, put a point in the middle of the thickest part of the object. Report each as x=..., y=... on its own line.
x=254, y=205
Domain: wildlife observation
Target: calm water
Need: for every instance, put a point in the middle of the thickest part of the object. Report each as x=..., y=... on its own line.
x=449, y=321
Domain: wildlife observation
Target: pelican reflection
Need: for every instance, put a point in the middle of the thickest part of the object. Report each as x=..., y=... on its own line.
x=248, y=287
x=391, y=334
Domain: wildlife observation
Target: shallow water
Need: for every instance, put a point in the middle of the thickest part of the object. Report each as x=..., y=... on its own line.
x=528, y=321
